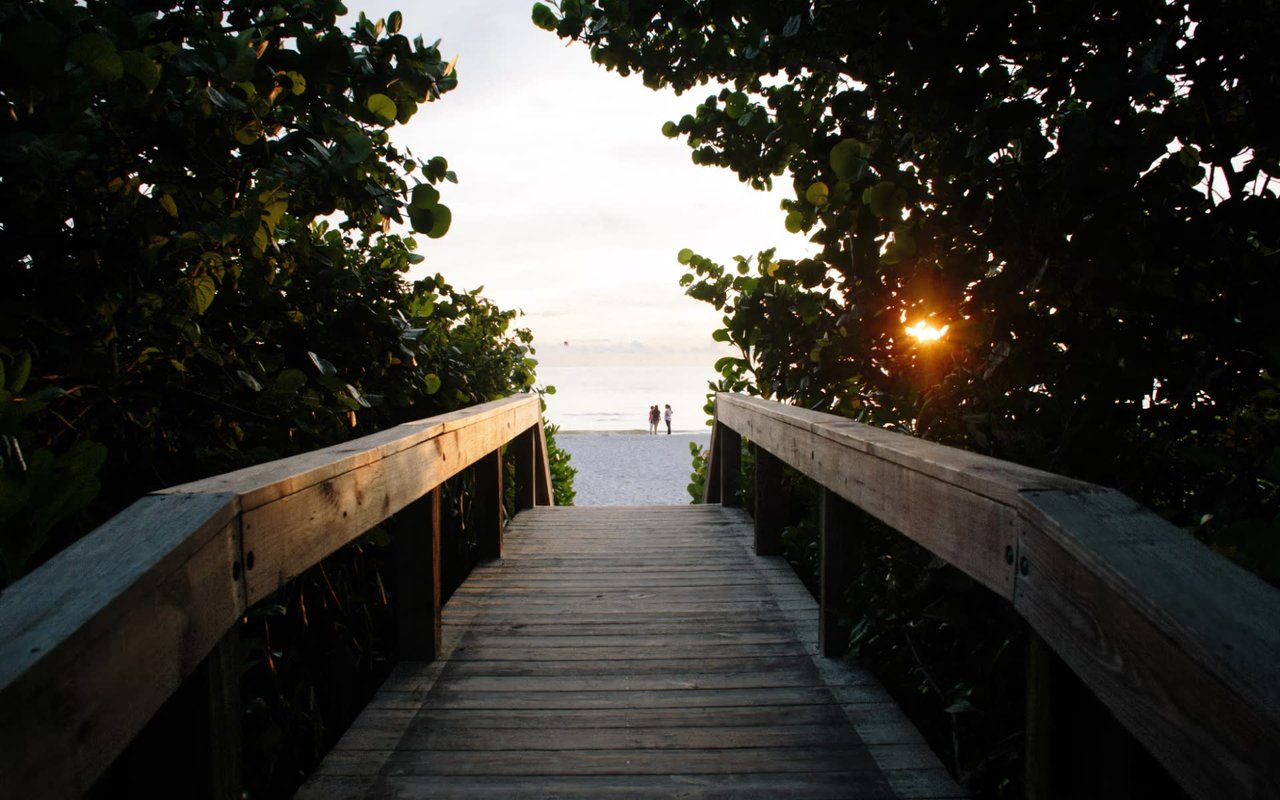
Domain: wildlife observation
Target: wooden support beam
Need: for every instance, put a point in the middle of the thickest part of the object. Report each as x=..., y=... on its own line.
x=524, y=460
x=218, y=739
x=769, y=516
x=730, y=467
x=416, y=538
x=711, y=489
x=835, y=552
x=488, y=517
x=543, y=494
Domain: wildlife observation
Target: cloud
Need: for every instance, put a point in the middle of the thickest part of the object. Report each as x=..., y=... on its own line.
x=571, y=204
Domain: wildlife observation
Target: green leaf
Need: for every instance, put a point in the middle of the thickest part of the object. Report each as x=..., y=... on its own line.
x=167, y=203
x=249, y=133
x=421, y=219
x=543, y=17
x=394, y=20
x=431, y=382
x=847, y=159
x=443, y=218
x=297, y=82
x=684, y=255
x=140, y=68
x=203, y=290
x=249, y=380
x=98, y=56
x=355, y=395
x=21, y=371
x=424, y=196
x=289, y=381
x=323, y=366
x=817, y=193
x=885, y=199
x=382, y=107
x=794, y=222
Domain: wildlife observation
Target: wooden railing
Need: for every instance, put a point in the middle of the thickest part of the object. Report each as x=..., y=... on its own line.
x=94, y=641
x=1180, y=644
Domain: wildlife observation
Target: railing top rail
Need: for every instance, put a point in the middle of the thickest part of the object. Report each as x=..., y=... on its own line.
x=1180, y=643
x=95, y=639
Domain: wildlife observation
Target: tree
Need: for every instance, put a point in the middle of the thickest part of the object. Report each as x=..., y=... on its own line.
x=196, y=204
x=195, y=200
x=1081, y=193
x=1076, y=195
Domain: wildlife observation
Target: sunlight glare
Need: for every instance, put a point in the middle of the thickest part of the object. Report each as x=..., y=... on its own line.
x=925, y=333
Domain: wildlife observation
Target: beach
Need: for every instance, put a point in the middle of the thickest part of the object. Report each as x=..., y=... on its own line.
x=630, y=467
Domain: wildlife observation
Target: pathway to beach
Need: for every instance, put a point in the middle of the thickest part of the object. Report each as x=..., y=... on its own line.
x=630, y=467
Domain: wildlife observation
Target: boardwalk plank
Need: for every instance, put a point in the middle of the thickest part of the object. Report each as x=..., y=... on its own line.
x=639, y=651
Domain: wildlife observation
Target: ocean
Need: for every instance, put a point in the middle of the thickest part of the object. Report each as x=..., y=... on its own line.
x=617, y=398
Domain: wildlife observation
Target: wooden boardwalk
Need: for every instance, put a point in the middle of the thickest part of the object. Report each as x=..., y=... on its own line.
x=630, y=652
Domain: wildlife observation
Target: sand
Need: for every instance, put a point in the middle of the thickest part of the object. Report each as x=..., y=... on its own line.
x=630, y=468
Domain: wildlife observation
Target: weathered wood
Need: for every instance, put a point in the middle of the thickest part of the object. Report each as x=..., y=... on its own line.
x=217, y=738
x=543, y=494
x=634, y=680
x=711, y=489
x=499, y=420
x=959, y=505
x=1180, y=644
x=488, y=517
x=769, y=513
x=1040, y=764
x=523, y=455
x=286, y=536
x=415, y=533
x=836, y=519
x=95, y=640
x=730, y=454
x=1156, y=625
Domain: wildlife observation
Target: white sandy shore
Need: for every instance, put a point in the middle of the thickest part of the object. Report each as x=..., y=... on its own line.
x=630, y=468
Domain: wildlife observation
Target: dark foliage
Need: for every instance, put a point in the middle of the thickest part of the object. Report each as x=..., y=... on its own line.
x=1080, y=194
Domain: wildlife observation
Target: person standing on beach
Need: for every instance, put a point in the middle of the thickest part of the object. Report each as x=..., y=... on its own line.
x=667, y=416
x=654, y=416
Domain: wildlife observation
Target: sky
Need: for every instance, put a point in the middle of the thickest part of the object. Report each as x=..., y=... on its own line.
x=571, y=205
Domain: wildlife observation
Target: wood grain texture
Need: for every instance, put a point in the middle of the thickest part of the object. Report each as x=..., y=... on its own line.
x=290, y=534
x=1182, y=645
x=415, y=535
x=959, y=505
x=543, y=492
x=711, y=489
x=264, y=483
x=630, y=652
x=523, y=451
x=769, y=513
x=95, y=640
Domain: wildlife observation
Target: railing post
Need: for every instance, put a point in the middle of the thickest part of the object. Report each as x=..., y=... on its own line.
x=416, y=537
x=1075, y=748
x=543, y=494
x=218, y=736
x=730, y=467
x=523, y=449
x=769, y=517
x=487, y=515
x=836, y=516
x=711, y=489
